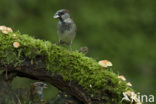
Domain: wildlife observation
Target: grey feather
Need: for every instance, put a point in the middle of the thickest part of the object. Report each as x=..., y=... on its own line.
x=66, y=28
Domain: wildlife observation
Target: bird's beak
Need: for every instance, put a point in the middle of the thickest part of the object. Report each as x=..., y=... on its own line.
x=45, y=86
x=56, y=16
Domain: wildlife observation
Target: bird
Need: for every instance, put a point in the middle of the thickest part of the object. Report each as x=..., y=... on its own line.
x=37, y=88
x=66, y=28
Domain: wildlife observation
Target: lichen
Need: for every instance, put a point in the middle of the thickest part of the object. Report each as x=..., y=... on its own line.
x=98, y=82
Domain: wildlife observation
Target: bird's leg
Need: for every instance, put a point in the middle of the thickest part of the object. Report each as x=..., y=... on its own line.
x=62, y=42
x=41, y=97
x=59, y=42
x=70, y=47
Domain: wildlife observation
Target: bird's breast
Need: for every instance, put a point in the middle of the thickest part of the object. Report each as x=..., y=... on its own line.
x=66, y=31
x=64, y=27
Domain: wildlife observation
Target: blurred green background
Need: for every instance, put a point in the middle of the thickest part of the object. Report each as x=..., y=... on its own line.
x=123, y=32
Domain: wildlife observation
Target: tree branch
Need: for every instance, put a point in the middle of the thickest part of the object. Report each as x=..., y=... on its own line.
x=71, y=72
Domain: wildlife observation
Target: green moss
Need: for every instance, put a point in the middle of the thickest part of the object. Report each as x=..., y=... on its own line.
x=71, y=65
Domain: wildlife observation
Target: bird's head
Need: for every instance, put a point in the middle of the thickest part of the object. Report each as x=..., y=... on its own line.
x=62, y=14
x=40, y=84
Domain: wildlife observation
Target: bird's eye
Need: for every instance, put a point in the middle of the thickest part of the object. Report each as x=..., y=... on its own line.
x=61, y=13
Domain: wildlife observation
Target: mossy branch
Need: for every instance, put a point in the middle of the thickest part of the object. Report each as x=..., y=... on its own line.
x=71, y=72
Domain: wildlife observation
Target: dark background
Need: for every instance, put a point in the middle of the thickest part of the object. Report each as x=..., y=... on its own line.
x=120, y=31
